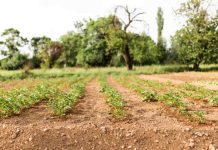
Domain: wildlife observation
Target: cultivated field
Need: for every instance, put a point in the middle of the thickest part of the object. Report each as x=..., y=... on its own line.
x=109, y=109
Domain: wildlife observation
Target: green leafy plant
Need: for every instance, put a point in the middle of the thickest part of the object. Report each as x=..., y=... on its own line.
x=213, y=100
x=113, y=98
x=199, y=116
x=149, y=96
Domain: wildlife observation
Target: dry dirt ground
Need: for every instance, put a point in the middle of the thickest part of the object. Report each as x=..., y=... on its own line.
x=91, y=127
x=208, y=80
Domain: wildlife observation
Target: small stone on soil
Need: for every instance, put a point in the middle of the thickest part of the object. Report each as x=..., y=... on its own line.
x=103, y=129
x=211, y=147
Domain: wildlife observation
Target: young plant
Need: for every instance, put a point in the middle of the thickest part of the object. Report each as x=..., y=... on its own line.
x=113, y=98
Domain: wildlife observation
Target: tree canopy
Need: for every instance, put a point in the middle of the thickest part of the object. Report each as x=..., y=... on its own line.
x=109, y=41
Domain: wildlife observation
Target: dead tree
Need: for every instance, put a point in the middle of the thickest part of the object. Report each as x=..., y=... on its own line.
x=131, y=16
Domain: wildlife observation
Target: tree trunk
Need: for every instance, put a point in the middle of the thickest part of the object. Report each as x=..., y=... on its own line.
x=127, y=57
x=196, y=66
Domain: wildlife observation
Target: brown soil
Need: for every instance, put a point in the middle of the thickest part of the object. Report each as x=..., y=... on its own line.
x=196, y=78
x=90, y=126
x=18, y=84
x=211, y=112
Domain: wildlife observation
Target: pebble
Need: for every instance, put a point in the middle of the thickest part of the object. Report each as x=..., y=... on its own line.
x=30, y=139
x=15, y=134
x=3, y=126
x=129, y=146
x=187, y=129
x=44, y=130
x=199, y=134
x=17, y=131
x=191, y=143
x=211, y=147
x=103, y=129
x=123, y=146
x=11, y=142
x=155, y=130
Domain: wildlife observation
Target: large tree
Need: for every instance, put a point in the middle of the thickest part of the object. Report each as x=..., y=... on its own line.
x=95, y=49
x=144, y=50
x=11, y=47
x=45, y=51
x=120, y=35
x=39, y=46
x=196, y=42
x=12, y=42
x=71, y=45
x=160, y=41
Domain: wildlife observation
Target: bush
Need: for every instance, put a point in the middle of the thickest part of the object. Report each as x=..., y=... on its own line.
x=15, y=62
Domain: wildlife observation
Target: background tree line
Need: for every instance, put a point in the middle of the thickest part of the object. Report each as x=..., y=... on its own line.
x=107, y=41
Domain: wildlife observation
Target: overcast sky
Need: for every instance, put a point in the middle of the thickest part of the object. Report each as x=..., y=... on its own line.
x=54, y=18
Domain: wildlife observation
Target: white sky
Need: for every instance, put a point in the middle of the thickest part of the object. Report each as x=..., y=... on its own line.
x=54, y=18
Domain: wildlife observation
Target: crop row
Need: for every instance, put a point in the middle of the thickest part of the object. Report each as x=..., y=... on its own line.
x=114, y=98
x=155, y=91
x=63, y=101
x=199, y=93
x=15, y=100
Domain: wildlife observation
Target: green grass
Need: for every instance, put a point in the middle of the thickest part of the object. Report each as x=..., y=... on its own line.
x=66, y=72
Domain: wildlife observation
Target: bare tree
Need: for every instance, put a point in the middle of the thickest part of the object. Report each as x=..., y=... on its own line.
x=131, y=16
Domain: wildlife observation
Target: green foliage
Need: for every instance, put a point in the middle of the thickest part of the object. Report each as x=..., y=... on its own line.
x=64, y=102
x=10, y=48
x=173, y=99
x=46, y=51
x=72, y=43
x=196, y=42
x=16, y=61
x=144, y=50
x=213, y=100
x=199, y=116
x=161, y=44
x=12, y=42
x=14, y=101
x=113, y=98
x=94, y=49
x=149, y=96
x=39, y=45
x=159, y=91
